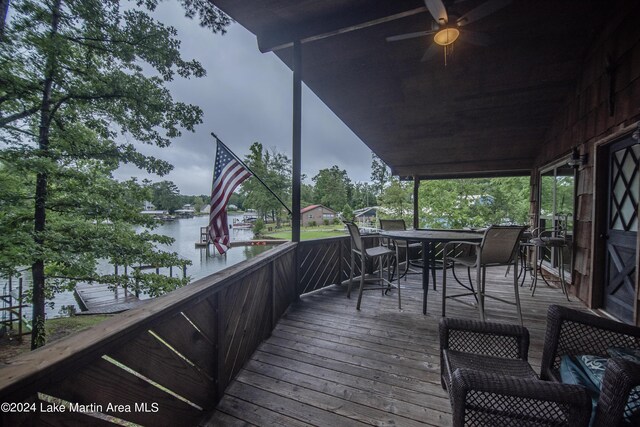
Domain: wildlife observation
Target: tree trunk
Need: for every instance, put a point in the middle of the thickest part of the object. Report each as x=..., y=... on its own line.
x=37, y=269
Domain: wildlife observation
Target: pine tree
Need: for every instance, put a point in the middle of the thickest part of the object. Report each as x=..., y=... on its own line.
x=71, y=83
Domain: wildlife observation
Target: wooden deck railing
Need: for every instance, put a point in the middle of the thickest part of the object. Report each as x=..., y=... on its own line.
x=323, y=262
x=169, y=361
x=164, y=363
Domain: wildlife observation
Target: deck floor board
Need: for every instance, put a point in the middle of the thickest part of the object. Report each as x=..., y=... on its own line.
x=327, y=364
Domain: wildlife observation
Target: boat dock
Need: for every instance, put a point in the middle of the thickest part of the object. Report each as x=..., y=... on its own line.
x=100, y=299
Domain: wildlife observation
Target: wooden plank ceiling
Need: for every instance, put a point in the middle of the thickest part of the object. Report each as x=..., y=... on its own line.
x=486, y=112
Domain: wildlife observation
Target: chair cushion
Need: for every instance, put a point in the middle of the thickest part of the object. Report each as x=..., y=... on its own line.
x=588, y=371
x=573, y=372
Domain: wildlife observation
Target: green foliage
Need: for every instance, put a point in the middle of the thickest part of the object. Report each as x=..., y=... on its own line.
x=347, y=213
x=258, y=227
x=460, y=203
x=80, y=80
x=312, y=224
x=307, y=195
x=380, y=174
x=397, y=197
x=166, y=196
x=275, y=170
x=364, y=195
x=199, y=202
x=236, y=199
x=332, y=187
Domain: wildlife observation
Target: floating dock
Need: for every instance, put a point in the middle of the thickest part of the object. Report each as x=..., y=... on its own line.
x=100, y=299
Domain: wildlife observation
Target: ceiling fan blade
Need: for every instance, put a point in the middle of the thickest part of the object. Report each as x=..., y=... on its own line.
x=438, y=11
x=486, y=8
x=478, y=39
x=431, y=52
x=409, y=36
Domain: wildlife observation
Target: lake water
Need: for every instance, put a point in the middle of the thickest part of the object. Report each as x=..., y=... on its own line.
x=186, y=233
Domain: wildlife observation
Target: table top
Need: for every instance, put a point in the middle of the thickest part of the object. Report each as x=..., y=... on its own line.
x=433, y=235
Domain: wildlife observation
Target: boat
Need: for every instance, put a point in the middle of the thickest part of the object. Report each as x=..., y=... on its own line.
x=241, y=225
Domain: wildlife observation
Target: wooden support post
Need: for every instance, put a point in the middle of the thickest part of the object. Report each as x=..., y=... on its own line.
x=297, y=141
x=416, y=209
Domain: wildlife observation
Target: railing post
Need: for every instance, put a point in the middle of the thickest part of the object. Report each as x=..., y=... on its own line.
x=296, y=278
x=272, y=286
x=339, y=278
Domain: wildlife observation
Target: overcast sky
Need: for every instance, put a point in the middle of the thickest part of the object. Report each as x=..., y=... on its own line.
x=246, y=97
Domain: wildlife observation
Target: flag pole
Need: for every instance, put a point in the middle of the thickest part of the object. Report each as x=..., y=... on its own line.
x=252, y=173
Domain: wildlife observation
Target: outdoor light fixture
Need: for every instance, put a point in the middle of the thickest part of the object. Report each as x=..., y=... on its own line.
x=446, y=36
x=577, y=159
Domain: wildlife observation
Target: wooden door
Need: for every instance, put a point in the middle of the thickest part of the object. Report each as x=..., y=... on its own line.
x=622, y=229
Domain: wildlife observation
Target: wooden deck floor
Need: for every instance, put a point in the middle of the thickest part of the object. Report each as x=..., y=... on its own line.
x=327, y=364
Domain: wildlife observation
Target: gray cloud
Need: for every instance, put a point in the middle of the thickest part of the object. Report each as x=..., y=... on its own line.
x=246, y=97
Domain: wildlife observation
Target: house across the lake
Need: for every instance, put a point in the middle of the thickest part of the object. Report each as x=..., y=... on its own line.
x=316, y=214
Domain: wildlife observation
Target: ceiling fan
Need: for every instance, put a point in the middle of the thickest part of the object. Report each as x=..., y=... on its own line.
x=447, y=27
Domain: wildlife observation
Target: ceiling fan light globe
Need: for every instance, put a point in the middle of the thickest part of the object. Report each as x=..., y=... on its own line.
x=446, y=36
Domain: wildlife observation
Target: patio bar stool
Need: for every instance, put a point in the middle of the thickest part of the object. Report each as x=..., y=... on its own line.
x=553, y=240
x=376, y=253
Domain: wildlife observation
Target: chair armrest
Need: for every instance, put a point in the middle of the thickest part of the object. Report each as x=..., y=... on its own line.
x=574, y=332
x=620, y=378
x=453, y=247
x=479, y=398
x=491, y=339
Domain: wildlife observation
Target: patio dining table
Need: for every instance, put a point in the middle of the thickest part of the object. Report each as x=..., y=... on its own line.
x=427, y=238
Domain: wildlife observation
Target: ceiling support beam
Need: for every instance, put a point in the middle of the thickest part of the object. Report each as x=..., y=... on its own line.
x=345, y=22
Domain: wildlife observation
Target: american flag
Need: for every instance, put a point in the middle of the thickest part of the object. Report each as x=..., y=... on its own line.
x=228, y=173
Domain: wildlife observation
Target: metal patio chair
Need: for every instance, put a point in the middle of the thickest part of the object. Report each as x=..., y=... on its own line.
x=376, y=253
x=499, y=247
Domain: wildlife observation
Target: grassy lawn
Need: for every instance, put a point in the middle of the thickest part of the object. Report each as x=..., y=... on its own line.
x=56, y=328
x=307, y=233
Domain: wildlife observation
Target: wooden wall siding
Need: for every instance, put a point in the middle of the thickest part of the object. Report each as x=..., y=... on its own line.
x=319, y=263
x=179, y=351
x=585, y=120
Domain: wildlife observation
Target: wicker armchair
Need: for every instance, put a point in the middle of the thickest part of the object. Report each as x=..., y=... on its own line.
x=571, y=332
x=484, y=367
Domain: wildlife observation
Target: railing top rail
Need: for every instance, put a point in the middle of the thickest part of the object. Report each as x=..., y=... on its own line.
x=323, y=239
x=54, y=362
